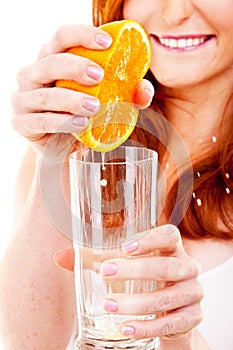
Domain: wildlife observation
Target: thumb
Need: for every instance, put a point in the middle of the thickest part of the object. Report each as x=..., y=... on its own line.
x=144, y=93
x=64, y=259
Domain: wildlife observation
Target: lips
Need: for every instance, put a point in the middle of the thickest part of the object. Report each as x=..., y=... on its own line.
x=182, y=42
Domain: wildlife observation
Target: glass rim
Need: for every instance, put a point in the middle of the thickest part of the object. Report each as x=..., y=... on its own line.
x=152, y=155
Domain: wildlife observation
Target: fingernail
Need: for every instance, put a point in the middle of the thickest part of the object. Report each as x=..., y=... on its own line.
x=57, y=254
x=108, y=269
x=103, y=40
x=80, y=121
x=131, y=244
x=131, y=247
x=128, y=330
x=96, y=73
x=91, y=104
x=149, y=93
x=110, y=305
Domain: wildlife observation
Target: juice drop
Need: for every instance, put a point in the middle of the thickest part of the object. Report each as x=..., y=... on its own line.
x=103, y=182
x=103, y=161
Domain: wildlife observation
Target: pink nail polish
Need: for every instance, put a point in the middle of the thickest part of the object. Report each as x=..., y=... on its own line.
x=110, y=305
x=108, y=269
x=80, y=121
x=103, y=40
x=96, y=73
x=131, y=247
x=128, y=330
x=149, y=92
x=91, y=104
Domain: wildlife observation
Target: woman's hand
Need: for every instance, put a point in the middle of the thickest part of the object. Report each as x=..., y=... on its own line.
x=40, y=109
x=159, y=256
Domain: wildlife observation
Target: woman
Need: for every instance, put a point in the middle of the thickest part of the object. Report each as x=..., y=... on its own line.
x=192, y=71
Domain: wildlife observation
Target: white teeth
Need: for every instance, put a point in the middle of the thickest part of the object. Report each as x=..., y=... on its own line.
x=173, y=43
x=195, y=42
x=190, y=42
x=181, y=43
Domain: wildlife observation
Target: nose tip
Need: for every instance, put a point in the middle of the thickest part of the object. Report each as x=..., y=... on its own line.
x=175, y=12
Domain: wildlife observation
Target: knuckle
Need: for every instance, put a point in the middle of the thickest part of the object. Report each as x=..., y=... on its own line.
x=198, y=290
x=197, y=267
x=145, y=306
x=165, y=329
x=194, y=267
x=15, y=122
x=165, y=303
x=17, y=102
x=191, y=316
x=42, y=99
x=18, y=124
x=21, y=74
x=43, y=51
x=201, y=292
x=197, y=315
x=39, y=123
x=187, y=297
x=59, y=35
x=43, y=67
x=174, y=234
x=144, y=332
x=165, y=270
x=14, y=99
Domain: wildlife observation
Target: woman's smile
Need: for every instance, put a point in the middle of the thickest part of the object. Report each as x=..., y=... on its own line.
x=183, y=42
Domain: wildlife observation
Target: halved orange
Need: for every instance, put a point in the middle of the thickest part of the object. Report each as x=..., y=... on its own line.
x=125, y=63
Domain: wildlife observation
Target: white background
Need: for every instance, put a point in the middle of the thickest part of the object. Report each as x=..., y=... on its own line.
x=25, y=26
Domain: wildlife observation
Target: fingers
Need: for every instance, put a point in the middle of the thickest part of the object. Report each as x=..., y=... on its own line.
x=76, y=35
x=35, y=125
x=39, y=107
x=65, y=259
x=55, y=99
x=178, y=322
x=156, y=255
x=54, y=64
x=170, y=263
x=144, y=93
x=176, y=296
x=150, y=268
x=60, y=66
x=166, y=238
x=50, y=110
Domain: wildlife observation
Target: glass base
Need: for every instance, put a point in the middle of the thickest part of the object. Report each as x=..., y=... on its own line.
x=98, y=344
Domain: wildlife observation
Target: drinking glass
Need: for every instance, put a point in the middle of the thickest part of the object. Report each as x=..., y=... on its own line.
x=113, y=198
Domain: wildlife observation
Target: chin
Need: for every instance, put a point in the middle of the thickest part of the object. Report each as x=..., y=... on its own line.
x=176, y=81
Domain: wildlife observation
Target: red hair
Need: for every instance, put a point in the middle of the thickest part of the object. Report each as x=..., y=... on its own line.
x=206, y=209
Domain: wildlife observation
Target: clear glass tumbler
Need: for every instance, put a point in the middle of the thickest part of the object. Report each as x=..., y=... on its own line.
x=113, y=198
